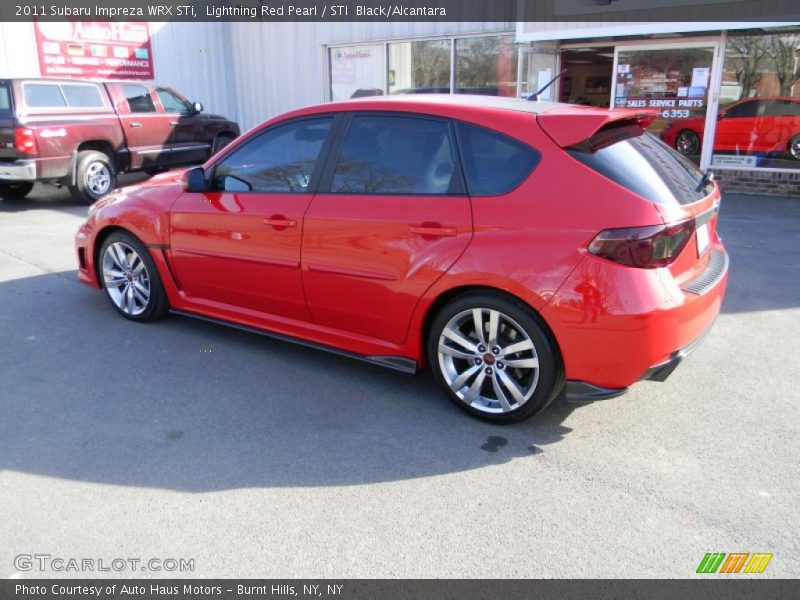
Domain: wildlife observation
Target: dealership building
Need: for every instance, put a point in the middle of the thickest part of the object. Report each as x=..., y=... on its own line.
x=727, y=94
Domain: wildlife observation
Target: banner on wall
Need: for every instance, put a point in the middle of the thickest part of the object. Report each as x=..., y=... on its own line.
x=101, y=50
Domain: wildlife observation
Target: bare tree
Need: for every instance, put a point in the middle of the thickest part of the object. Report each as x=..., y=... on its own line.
x=782, y=51
x=747, y=57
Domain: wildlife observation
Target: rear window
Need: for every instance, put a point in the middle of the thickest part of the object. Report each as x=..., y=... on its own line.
x=43, y=95
x=82, y=96
x=641, y=163
x=494, y=163
x=5, y=99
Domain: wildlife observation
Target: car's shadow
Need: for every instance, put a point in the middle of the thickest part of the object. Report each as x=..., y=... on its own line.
x=188, y=405
x=45, y=196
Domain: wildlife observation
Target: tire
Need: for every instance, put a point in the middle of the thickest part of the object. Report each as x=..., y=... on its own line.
x=95, y=176
x=221, y=141
x=794, y=147
x=687, y=142
x=16, y=190
x=459, y=365
x=138, y=294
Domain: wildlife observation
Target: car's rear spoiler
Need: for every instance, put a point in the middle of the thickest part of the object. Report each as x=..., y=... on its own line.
x=568, y=126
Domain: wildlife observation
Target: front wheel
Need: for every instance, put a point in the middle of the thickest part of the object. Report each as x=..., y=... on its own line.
x=16, y=190
x=219, y=143
x=131, y=279
x=687, y=143
x=493, y=358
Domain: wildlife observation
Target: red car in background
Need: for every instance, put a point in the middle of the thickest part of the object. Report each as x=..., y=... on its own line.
x=768, y=125
x=513, y=247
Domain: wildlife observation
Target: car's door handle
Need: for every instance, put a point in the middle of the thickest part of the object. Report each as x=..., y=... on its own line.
x=434, y=229
x=279, y=221
x=173, y=123
x=135, y=124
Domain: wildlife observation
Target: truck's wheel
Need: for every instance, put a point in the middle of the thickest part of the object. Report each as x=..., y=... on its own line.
x=15, y=191
x=95, y=176
x=222, y=140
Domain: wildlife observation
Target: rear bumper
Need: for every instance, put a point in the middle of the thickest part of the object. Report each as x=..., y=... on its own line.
x=19, y=170
x=661, y=371
x=580, y=391
x=617, y=325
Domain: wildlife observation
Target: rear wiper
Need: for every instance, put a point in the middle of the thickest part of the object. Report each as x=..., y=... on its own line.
x=708, y=177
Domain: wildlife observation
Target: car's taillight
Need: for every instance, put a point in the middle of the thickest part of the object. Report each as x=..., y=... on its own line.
x=25, y=141
x=645, y=247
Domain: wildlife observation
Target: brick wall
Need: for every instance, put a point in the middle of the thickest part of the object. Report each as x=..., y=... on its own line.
x=759, y=182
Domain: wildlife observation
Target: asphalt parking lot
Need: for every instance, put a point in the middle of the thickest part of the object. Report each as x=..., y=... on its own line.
x=258, y=458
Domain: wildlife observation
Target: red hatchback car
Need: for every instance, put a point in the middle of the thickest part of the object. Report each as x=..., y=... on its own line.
x=768, y=125
x=514, y=247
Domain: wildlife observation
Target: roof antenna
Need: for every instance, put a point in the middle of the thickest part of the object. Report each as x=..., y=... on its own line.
x=535, y=97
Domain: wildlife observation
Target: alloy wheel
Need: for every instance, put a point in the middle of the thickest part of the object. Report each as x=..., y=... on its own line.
x=687, y=142
x=98, y=178
x=126, y=278
x=488, y=360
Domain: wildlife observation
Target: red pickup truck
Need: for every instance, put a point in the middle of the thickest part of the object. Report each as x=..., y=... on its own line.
x=82, y=133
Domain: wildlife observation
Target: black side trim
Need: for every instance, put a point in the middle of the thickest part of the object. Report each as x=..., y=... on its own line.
x=715, y=270
x=395, y=363
x=580, y=391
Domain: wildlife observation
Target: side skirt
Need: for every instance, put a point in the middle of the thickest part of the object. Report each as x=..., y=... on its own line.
x=395, y=363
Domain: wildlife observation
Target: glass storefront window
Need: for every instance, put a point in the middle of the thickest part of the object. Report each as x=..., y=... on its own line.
x=357, y=71
x=676, y=82
x=421, y=67
x=758, y=125
x=486, y=65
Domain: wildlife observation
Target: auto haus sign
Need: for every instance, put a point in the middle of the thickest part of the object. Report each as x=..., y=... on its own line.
x=100, y=50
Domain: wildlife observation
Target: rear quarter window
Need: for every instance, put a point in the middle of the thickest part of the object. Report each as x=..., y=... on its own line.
x=82, y=96
x=494, y=164
x=5, y=99
x=43, y=95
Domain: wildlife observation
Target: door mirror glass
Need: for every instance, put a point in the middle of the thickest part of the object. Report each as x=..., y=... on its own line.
x=197, y=107
x=195, y=180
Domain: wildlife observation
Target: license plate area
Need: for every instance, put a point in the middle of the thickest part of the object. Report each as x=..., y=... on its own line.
x=703, y=238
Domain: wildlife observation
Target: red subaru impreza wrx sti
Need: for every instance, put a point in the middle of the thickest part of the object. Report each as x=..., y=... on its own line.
x=515, y=248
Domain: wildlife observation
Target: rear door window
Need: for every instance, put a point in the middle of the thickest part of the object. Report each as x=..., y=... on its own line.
x=641, y=163
x=139, y=100
x=82, y=96
x=494, y=164
x=387, y=154
x=43, y=95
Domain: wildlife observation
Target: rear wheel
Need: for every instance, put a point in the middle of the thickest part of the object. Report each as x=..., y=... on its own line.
x=95, y=176
x=794, y=147
x=131, y=279
x=16, y=190
x=493, y=358
x=687, y=142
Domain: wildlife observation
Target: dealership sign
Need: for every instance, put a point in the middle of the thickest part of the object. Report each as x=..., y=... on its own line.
x=103, y=50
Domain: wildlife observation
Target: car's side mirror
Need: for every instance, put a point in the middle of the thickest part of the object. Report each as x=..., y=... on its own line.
x=197, y=107
x=194, y=180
